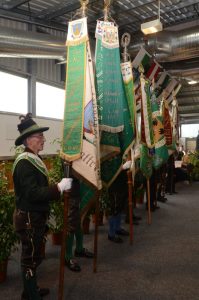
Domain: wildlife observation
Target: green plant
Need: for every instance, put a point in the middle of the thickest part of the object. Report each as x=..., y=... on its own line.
x=8, y=237
x=56, y=207
x=194, y=161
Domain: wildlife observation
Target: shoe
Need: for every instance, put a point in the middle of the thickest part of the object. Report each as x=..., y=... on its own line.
x=137, y=218
x=162, y=199
x=122, y=232
x=43, y=291
x=84, y=253
x=73, y=265
x=135, y=222
x=115, y=239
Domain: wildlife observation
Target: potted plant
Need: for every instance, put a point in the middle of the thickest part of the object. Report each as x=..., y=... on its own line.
x=8, y=237
x=193, y=165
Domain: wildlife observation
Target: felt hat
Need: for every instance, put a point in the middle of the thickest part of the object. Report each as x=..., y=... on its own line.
x=27, y=127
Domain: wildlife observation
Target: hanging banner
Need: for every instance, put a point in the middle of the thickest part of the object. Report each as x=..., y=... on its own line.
x=114, y=116
x=81, y=129
x=161, y=151
x=146, y=115
x=75, y=97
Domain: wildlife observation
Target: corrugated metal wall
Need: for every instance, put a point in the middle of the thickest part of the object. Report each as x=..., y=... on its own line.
x=47, y=70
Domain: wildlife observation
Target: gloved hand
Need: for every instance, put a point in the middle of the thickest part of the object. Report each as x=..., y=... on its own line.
x=127, y=165
x=65, y=184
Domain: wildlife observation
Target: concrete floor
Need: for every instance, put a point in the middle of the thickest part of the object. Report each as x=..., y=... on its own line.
x=162, y=263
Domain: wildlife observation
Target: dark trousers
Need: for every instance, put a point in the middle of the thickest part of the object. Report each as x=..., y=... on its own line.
x=30, y=227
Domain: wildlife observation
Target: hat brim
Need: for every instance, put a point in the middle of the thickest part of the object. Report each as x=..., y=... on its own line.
x=22, y=137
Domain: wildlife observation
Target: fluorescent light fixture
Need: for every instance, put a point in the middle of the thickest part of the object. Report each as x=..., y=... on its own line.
x=151, y=27
x=192, y=82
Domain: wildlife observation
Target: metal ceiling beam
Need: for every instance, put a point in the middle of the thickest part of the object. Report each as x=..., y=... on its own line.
x=62, y=11
x=188, y=104
x=25, y=18
x=13, y=4
x=191, y=113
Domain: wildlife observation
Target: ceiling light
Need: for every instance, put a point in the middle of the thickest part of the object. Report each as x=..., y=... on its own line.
x=192, y=82
x=152, y=26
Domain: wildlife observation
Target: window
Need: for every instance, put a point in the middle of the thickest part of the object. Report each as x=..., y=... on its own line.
x=190, y=130
x=49, y=101
x=14, y=93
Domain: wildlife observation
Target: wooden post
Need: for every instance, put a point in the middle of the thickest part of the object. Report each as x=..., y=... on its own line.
x=148, y=202
x=130, y=193
x=63, y=245
x=96, y=234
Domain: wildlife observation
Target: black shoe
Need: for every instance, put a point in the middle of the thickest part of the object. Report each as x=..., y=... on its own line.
x=162, y=199
x=135, y=222
x=84, y=253
x=73, y=265
x=115, y=239
x=43, y=291
x=137, y=218
x=122, y=232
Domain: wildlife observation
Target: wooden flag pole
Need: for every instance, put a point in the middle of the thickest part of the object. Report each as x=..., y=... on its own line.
x=148, y=202
x=96, y=234
x=130, y=193
x=125, y=41
x=63, y=245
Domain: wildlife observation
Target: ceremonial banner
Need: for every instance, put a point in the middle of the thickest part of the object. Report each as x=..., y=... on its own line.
x=75, y=89
x=146, y=161
x=142, y=58
x=127, y=75
x=114, y=115
x=147, y=140
x=81, y=130
x=167, y=125
x=146, y=115
x=170, y=87
x=162, y=83
x=175, y=92
x=153, y=71
x=161, y=151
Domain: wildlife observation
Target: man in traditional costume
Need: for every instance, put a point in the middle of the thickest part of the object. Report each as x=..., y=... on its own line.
x=33, y=195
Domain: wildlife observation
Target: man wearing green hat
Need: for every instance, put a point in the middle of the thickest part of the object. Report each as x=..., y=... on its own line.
x=33, y=195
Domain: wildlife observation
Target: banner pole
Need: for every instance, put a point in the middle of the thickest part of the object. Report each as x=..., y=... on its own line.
x=96, y=233
x=148, y=202
x=66, y=196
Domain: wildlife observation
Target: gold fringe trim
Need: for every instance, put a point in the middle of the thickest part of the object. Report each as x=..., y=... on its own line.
x=111, y=129
x=69, y=158
x=78, y=41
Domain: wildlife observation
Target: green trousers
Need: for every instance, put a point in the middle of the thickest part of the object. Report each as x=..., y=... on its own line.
x=78, y=235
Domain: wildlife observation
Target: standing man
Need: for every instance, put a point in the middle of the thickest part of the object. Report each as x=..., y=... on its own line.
x=33, y=195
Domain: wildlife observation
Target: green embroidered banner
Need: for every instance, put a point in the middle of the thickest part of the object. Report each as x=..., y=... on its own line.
x=115, y=121
x=161, y=151
x=75, y=90
x=127, y=75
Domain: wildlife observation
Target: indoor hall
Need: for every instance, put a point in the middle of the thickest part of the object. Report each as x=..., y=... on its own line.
x=161, y=264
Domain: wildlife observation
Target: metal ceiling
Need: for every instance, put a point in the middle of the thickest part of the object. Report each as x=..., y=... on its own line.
x=176, y=16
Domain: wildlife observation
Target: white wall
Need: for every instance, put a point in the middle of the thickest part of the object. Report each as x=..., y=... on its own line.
x=9, y=132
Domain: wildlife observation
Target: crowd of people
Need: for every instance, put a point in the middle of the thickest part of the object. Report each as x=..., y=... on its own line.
x=34, y=194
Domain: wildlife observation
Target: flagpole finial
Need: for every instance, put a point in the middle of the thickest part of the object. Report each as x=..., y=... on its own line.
x=84, y=3
x=125, y=41
x=141, y=69
x=107, y=4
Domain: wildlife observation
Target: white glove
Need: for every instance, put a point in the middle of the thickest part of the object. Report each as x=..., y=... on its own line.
x=65, y=184
x=127, y=165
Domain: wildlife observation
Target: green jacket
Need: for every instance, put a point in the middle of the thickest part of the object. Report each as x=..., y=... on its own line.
x=32, y=190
